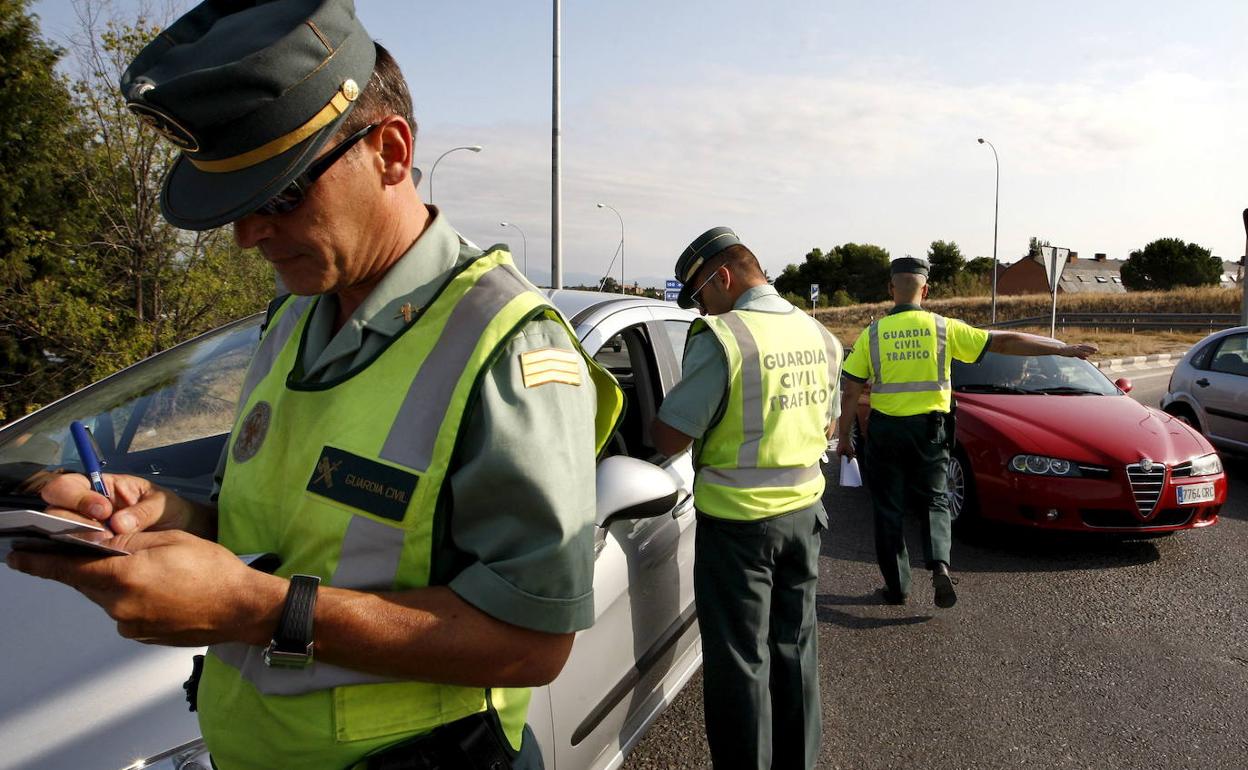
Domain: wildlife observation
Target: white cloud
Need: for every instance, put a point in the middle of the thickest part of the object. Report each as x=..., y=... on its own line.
x=795, y=162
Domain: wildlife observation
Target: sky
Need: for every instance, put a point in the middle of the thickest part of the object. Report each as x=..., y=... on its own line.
x=813, y=123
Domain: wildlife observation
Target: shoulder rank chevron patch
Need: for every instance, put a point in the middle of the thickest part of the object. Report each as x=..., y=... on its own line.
x=540, y=367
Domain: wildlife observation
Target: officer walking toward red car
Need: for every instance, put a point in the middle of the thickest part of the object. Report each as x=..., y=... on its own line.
x=906, y=357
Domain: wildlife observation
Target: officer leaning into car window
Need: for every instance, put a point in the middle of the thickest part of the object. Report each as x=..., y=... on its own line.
x=433, y=565
x=906, y=357
x=757, y=399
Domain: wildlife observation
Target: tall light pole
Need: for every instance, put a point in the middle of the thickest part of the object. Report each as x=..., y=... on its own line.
x=523, y=240
x=996, y=207
x=472, y=147
x=620, y=248
x=556, y=180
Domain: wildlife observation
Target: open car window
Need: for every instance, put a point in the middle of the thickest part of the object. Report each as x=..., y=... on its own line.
x=629, y=355
x=165, y=418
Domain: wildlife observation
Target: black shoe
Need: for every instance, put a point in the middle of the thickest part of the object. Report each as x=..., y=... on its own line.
x=892, y=597
x=942, y=584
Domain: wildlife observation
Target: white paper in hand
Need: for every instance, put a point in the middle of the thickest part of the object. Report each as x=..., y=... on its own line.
x=850, y=475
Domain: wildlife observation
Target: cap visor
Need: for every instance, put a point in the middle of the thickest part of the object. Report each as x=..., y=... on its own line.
x=685, y=298
x=200, y=200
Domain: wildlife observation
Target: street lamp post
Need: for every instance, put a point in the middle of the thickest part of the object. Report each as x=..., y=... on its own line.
x=620, y=249
x=472, y=147
x=996, y=207
x=523, y=240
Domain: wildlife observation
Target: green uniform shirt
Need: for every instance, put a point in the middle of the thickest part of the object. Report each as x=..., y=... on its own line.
x=963, y=342
x=698, y=400
x=521, y=524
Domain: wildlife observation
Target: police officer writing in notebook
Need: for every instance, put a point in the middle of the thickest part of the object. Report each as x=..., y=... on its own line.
x=757, y=399
x=434, y=566
x=906, y=356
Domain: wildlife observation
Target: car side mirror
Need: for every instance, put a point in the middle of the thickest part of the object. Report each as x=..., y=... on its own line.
x=629, y=488
x=1124, y=384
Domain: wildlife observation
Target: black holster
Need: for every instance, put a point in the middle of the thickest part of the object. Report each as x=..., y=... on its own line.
x=191, y=685
x=473, y=743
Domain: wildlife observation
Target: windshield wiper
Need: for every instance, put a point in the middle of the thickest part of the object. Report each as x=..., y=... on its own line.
x=984, y=387
x=1068, y=390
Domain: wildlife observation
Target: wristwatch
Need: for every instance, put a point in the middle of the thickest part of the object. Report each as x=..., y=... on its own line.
x=291, y=646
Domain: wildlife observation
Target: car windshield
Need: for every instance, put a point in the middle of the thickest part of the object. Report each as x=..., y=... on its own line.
x=1031, y=375
x=165, y=418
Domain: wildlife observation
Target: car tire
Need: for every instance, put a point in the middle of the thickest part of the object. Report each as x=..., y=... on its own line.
x=960, y=489
x=1184, y=412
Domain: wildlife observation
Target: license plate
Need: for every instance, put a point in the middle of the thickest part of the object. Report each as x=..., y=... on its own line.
x=1190, y=494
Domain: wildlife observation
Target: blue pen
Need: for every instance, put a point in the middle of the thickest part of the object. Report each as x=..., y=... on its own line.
x=90, y=460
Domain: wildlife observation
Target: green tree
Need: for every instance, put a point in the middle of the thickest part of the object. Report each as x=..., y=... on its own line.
x=946, y=262
x=980, y=266
x=1169, y=262
x=113, y=282
x=40, y=150
x=861, y=270
x=866, y=271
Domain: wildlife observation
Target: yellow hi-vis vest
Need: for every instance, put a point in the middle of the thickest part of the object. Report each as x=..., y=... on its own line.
x=762, y=458
x=910, y=364
x=345, y=480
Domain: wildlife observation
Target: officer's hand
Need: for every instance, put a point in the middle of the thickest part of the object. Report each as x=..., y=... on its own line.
x=173, y=588
x=844, y=446
x=1082, y=350
x=137, y=503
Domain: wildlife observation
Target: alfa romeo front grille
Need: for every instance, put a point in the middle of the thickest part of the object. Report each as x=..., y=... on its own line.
x=1146, y=485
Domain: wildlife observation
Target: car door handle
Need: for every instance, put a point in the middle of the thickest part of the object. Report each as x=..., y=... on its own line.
x=1202, y=382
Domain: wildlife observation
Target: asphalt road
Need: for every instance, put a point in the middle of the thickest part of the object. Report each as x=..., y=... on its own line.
x=1063, y=652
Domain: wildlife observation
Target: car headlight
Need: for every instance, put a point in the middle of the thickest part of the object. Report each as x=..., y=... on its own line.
x=1039, y=465
x=1207, y=465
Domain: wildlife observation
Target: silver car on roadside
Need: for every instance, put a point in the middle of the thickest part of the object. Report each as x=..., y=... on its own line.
x=77, y=695
x=1209, y=389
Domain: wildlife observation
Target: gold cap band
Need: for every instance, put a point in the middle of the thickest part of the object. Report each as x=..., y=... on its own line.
x=327, y=115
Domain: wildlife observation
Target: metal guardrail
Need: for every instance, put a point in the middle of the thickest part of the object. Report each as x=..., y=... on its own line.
x=1132, y=321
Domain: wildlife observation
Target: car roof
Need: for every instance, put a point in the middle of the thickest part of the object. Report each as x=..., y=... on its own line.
x=578, y=305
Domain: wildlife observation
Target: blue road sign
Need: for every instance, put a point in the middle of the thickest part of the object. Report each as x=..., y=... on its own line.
x=672, y=283
x=671, y=294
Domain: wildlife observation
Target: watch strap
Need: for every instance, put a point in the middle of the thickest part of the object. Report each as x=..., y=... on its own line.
x=291, y=646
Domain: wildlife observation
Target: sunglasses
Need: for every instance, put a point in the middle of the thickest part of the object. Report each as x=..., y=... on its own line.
x=696, y=295
x=293, y=194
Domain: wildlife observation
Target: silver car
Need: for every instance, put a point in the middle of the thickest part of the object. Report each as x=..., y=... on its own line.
x=76, y=694
x=1209, y=389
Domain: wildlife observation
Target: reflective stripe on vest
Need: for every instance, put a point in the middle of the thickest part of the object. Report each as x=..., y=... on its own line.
x=761, y=458
x=921, y=386
x=401, y=414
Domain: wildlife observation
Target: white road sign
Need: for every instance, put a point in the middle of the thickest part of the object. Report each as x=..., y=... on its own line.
x=1054, y=259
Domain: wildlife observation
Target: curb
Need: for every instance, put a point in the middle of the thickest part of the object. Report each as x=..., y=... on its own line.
x=1136, y=361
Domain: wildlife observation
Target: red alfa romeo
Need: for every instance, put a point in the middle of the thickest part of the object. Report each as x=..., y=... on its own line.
x=1051, y=443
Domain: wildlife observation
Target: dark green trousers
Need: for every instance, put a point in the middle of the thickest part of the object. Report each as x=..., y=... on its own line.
x=909, y=460
x=755, y=586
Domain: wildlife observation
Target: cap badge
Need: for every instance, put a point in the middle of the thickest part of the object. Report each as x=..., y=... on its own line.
x=165, y=126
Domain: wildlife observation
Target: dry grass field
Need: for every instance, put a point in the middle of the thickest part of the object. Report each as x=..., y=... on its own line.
x=847, y=322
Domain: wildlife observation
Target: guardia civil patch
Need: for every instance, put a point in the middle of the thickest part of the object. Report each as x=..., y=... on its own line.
x=547, y=365
x=359, y=482
x=252, y=432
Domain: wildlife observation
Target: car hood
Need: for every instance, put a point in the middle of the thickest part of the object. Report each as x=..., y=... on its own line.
x=1105, y=430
